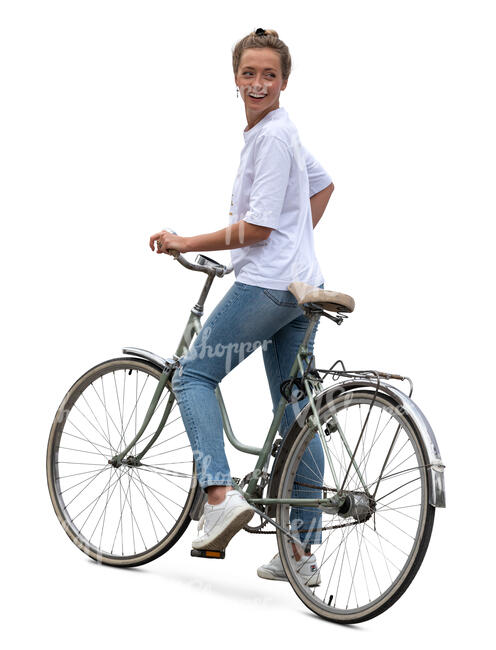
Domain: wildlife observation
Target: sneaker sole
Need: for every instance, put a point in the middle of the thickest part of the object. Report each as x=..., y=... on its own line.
x=264, y=573
x=313, y=582
x=221, y=539
x=268, y=575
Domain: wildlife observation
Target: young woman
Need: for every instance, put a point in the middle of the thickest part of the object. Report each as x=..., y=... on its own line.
x=279, y=196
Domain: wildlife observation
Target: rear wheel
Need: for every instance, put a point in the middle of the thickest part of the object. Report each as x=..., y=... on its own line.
x=368, y=553
x=131, y=514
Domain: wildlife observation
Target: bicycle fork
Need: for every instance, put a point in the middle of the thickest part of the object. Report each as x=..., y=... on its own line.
x=120, y=458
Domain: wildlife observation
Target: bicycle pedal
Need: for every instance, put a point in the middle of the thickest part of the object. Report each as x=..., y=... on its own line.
x=198, y=552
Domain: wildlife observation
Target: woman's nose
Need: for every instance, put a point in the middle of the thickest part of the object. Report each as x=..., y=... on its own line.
x=257, y=83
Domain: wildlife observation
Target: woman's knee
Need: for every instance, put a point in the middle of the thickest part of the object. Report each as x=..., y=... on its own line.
x=185, y=376
x=177, y=378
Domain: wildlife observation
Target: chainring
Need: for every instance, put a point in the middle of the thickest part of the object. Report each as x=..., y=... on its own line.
x=259, y=494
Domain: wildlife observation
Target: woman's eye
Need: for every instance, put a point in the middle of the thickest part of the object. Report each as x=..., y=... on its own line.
x=271, y=74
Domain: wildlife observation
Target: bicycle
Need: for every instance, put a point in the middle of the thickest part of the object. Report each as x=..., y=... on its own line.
x=383, y=475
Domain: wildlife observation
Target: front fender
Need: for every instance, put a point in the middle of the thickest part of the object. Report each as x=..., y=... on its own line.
x=157, y=361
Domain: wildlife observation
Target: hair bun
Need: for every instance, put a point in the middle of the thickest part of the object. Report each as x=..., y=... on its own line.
x=265, y=32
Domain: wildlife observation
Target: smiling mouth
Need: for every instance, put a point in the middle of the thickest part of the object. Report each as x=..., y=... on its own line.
x=257, y=95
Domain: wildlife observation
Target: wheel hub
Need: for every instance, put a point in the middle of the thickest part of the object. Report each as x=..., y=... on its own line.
x=131, y=461
x=357, y=505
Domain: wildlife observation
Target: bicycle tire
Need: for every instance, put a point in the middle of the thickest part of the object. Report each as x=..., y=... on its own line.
x=324, y=603
x=81, y=403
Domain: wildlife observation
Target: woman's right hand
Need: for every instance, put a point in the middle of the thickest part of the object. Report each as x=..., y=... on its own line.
x=167, y=240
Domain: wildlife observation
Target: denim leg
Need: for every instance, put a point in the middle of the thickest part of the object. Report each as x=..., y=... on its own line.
x=244, y=320
x=194, y=385
x=278, y=360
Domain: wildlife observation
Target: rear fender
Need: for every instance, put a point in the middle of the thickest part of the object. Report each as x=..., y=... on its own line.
x=406, y=406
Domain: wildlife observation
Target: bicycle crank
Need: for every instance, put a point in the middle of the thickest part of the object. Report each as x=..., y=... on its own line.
x=264, y=479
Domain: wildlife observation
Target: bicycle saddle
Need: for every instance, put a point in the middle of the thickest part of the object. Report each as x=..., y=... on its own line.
x=328, y=300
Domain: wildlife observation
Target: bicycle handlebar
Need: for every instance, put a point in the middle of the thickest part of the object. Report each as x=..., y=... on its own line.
x=218, y=269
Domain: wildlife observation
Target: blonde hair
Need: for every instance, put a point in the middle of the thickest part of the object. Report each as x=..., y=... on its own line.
x=269, y=39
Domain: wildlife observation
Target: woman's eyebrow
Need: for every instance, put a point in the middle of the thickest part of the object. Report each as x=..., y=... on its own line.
x=252, y=68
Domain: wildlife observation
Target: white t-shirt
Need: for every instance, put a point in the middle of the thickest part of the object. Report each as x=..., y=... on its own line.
x=275, y=180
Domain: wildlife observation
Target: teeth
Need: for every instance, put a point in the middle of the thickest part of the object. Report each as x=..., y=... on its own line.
x=253, y=95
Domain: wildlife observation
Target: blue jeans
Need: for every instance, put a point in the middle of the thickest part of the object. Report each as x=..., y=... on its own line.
x=246, y=318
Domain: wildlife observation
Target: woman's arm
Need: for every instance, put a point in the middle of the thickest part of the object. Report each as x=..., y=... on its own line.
x=319, y=203
x=235, y=235
x=272, y=167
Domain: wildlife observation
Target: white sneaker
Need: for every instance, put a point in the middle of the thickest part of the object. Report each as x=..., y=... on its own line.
x=221, y=522
x=306, y=567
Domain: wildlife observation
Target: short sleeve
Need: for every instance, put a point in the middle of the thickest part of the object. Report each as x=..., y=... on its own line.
x=272, y=166
x=318, y=178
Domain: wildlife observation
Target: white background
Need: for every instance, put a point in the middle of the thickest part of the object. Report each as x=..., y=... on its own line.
x=121, y=118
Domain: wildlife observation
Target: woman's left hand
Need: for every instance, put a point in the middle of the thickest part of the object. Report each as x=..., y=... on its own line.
x=166, y=240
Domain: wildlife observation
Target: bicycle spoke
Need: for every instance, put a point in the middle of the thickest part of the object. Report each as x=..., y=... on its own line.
x=163, y=475
x=120, y=413
x=169, y=451
x=87, y=485
x=85, y=439
x=111, y=449
x=383, y=496
x=157, y=444
x=107, y=415
x=154, y=493
x=83, y=481
x=396, y=474
x=104, y=512
x=150, y=509
x=400, y=497
x=94, y=502
x=90, y=471
x=169, y=472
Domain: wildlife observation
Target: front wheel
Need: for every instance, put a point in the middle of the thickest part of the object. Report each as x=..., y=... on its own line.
x=127, y=515
x=365, y=555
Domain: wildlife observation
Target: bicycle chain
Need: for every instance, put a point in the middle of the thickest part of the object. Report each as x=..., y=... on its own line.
x=303, y=530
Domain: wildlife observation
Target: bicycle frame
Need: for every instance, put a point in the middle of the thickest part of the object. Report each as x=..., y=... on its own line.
x=309, y=413
x=192, y=328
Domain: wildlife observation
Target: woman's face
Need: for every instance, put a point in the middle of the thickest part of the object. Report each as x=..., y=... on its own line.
x=259, y=73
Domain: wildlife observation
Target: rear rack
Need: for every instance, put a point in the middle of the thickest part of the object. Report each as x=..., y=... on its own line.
x=317, y=376
x=357, y=374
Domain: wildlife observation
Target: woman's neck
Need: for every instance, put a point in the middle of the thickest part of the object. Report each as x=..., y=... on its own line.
x=254, y=119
